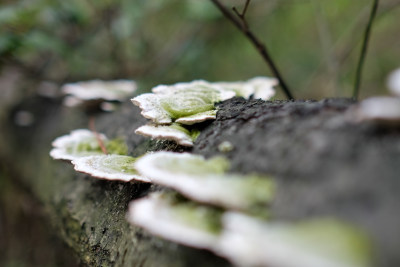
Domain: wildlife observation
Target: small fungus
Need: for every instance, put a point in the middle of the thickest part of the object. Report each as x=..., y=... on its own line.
x=393, y=82
x=97, y=91
x=247, y=241
x=225, y=147
x=82, y=143
x=109, y=167
x=205, y=180
x=173, y=132
x=379, y=110
x=174, y=219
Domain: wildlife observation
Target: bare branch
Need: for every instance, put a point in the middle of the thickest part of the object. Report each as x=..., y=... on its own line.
x=364, y=47
x=261, y=48
x=243, y=14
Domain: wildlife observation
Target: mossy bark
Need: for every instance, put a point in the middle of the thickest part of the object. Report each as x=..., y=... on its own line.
x=323, y=164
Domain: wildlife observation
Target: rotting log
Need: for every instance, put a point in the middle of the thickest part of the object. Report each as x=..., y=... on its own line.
x=323, y=164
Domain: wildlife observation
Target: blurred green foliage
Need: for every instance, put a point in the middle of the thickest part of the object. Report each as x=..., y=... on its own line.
x=315, y=43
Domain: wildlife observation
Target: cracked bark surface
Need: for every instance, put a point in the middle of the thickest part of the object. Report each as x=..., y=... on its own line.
x=323, y=164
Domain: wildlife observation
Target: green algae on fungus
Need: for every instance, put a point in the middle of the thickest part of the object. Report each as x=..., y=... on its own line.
x=173, y=132
x=110, y=167
x=117, y=146
x=181, y=221
x=188, y=102
x=182, y=164
x=313, y=243
x=82, y=143
x=169, y=103
x=206, y=181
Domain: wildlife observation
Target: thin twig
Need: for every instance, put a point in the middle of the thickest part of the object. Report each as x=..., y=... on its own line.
x=364, y=49
x=98, y=138
x=243, y=14
x=261, y=48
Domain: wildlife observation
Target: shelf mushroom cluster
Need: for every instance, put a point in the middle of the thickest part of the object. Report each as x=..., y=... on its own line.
x=228, y=214
x=174, y=109
x=207, y=207
x=82, y=149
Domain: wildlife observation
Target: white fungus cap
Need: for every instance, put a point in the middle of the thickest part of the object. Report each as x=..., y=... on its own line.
x=197, y=118
x=381, y=110
x=66, y=147
x=151, y=108
x=248, y=241
x=109, y=167
x=158, y=216
x=393, y=82
x=117, y=90
x=166, y=132
x=204, y=181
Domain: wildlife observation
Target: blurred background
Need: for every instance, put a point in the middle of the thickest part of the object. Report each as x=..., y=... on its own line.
x=315, y=43
x=45, y=43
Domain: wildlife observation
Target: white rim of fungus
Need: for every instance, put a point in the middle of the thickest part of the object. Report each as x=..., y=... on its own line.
x=229, y=191
x=165, y=132
x=62, y=143
x=249, y=241
x=156, y=216
x=94, y=166
x=117, y=90
x=393, y=82
x=151, y=108
x=199, y=117
x=378, y=109
x=75, y=136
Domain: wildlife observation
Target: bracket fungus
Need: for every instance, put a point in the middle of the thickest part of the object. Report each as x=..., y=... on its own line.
x=81, y=143
x=194, y=102
x=247, y=241
x=173, y=132
x=378, y=110
x=109, y=167
x=97, y=91
x=205, y=180
x=181, y=221
x=393, y=82
x=169, y=103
